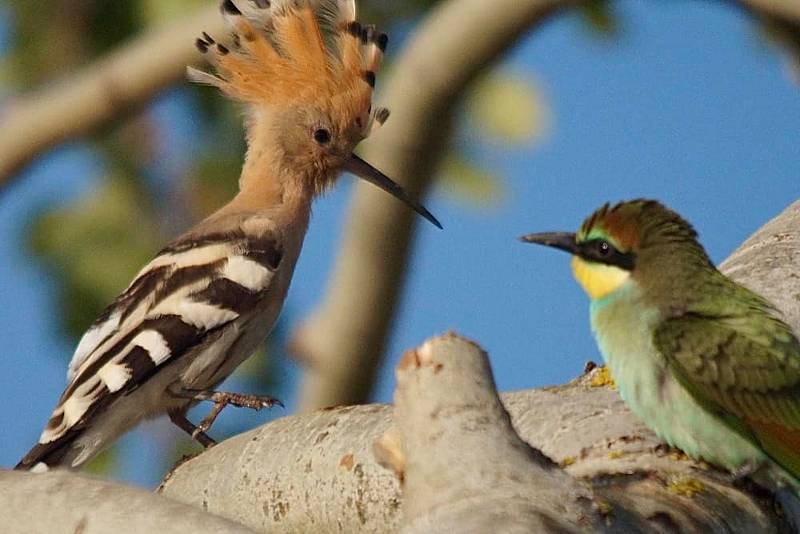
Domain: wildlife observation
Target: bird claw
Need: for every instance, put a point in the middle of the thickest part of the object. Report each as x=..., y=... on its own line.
x=254, y=402
x=221, y=399
x=747, y=470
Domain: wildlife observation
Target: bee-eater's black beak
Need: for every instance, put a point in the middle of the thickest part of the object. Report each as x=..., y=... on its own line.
x=362, y=169
x=561, y=240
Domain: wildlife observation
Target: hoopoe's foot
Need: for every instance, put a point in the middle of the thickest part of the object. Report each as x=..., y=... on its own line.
x=223, y=398
x=220, y=400
x=198, y=434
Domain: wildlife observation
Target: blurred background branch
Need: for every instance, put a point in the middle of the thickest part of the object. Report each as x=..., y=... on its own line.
x=342, y=342
x=127, y=78
x=104, y=91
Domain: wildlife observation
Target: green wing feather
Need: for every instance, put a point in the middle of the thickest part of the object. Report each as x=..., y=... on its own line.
x=742, y=361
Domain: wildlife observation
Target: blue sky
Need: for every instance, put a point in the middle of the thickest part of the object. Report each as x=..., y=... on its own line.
x=685, y=105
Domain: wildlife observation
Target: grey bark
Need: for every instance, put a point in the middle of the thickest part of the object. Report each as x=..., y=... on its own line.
x=62, y=502
x=463, y=467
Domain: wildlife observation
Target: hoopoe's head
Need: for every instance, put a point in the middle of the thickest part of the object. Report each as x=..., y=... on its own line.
x=306, y=69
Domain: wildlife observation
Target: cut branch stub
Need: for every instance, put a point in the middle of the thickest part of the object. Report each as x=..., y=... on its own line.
x=466, y=469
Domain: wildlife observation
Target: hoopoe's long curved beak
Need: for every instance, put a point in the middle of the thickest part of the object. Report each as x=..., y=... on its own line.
x=561, y=240
x=364, y=170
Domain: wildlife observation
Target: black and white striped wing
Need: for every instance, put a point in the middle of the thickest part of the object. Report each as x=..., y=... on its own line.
x=181, y=299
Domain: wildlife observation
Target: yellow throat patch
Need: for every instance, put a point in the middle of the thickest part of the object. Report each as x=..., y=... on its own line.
x=598, y=279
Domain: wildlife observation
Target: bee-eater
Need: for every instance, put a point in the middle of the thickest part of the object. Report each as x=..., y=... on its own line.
x=305, y=69
x=706, y=363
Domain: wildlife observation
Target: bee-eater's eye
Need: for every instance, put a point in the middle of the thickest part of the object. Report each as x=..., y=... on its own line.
x=322, y=136
x=603, y=251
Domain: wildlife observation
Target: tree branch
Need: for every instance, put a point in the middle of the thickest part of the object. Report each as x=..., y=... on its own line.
x=463, y=467
x=63, y=502
x=115, y=85
x=463, y=464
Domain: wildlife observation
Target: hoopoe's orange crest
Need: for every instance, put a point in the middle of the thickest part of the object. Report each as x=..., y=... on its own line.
x=309, y=53
x=307, y=70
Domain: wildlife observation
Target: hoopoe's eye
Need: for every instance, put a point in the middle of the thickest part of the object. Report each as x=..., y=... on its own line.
x=322, y=136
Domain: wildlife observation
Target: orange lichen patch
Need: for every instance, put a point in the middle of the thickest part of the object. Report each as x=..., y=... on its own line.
x=613, y=455
x=601, y=377
x=679, y=456
x=685, y=486
x=409, y=360
x=603, y=507
x=388, y=453
x=347, y=461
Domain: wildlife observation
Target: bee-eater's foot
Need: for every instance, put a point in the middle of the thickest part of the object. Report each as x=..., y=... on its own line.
x=662, y=449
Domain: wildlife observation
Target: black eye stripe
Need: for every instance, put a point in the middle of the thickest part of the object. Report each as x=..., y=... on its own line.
x=601, y=251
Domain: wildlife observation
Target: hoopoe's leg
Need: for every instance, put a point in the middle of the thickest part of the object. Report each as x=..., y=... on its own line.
x=221, y=399
x=178, y=418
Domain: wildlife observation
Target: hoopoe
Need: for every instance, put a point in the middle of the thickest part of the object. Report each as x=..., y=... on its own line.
x=306, y=71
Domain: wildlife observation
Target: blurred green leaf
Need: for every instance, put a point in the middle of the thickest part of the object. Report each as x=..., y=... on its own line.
x=600, y=17
x=58, y=35
x=507, y=108
x=383, y=13
x=213, y=182
x=470, y=183
x=154, y=12
x=104, y=463
x=96, y=245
